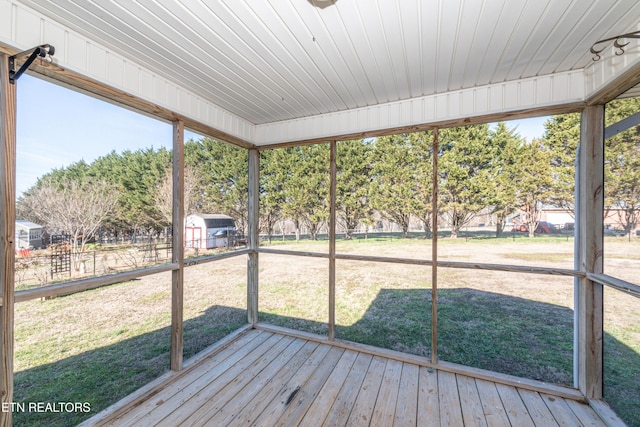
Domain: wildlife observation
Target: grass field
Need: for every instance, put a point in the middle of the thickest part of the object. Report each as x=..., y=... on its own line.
x=98, y=346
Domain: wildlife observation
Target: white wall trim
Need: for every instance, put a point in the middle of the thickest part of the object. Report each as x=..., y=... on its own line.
x=508, y=97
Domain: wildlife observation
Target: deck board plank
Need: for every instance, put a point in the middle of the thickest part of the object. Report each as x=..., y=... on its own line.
x=450, y=411
x=470, y=402
x=362, y=410
x=323, y=355
x=561, y=412
x=492, y=406
x=321, y=405
x=428, y=400
x=516, y=409
x=407, y=404
x=343, y=404
x=291, y=358
x=298, y=402
x=585, y=414
x=384, y=409
x=271, y=391
x=538, y=410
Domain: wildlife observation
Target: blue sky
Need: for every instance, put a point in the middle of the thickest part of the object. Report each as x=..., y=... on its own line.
x=58, y=126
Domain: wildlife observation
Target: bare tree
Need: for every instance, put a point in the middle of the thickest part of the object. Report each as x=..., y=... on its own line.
x=164, y=194
x=70, y=207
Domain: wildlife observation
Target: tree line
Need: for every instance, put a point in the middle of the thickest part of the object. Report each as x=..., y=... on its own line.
x=390, y=177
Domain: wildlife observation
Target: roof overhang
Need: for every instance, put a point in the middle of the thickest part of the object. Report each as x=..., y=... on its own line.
x=267, y=73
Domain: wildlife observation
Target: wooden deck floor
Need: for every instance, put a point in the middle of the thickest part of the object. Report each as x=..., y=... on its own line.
x=267, y=379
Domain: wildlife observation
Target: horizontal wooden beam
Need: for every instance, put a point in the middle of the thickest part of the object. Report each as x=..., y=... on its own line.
x=81, y=83
x=622, y=125
x=391, y=260
x=622, y=83
x=512, y=268
x=73, y=287
x=444, y=264
x=293, y=253
x=604, y=411
x=217, y=257
x=116, y=96
x=76, y=286
x=613, y=282
x=96, y=282
x=466, y=265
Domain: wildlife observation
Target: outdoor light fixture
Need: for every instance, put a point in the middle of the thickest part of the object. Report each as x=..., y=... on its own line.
x=617, y=43
x=45, y=52
x=322, y=3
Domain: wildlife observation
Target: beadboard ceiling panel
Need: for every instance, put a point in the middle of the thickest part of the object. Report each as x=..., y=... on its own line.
x=277, y=61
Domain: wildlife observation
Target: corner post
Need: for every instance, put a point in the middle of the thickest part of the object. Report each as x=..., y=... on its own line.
x=253, y=236
x=7, y=234
x=177, y=252
x=590, y=256
x=332, y=240
x=434, y=252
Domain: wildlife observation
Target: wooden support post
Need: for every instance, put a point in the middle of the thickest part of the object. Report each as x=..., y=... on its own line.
x=434, y=252
x=332, y=241
x=7, y=234
x=253, y=236
x=177, y=253
x=590, y=212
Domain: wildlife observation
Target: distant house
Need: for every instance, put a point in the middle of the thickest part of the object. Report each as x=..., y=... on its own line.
x=559, y=217
x=564, y=218
x=207, y=231
x=28, y=234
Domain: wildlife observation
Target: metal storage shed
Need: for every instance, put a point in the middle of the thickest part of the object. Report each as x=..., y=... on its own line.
x=28, y=234
x=200, y=230
x=271, y=74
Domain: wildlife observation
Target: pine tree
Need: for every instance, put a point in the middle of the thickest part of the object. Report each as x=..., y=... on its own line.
x=464, y=166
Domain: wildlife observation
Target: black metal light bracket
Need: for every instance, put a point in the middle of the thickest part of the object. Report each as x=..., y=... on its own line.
x=43, y=51
x=617, y=43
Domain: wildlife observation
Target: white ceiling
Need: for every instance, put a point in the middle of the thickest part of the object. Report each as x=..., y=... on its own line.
x=274, y=60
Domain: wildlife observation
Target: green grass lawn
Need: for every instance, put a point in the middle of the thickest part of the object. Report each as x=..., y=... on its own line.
x=98, y=346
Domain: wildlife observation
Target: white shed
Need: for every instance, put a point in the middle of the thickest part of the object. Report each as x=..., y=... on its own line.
x=28, y=234
x=207, y=231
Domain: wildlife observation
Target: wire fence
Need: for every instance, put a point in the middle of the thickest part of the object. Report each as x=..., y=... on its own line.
x=57, y=263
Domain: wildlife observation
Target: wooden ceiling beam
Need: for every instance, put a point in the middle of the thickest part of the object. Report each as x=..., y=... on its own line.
x=618, y=86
